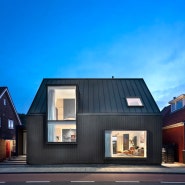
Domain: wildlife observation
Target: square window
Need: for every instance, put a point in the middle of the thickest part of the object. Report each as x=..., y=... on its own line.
x=134, y=102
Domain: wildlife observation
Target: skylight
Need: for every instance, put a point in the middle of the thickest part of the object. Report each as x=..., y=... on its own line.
x=134, y=102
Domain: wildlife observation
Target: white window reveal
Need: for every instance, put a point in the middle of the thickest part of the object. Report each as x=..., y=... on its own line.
x=10, y=124
x=126, y=143
x=134, y=102
x=177, y=103
x=61, y=114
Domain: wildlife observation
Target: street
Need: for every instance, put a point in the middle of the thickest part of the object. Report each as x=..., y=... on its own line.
x=92, y=178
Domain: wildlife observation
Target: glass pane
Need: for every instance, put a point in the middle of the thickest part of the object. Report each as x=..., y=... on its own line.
x=62, y=131
x=128, y=144
x=62, y=103
x=134, y=102
x=179, y=104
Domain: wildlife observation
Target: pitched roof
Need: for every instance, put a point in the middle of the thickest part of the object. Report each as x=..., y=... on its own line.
x=170, y=118
x=3, y=90
x=100, y=96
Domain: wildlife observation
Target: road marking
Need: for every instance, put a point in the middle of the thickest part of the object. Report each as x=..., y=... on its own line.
x=82, y=181
x=128, y=181
x=165, y=182
x=37, y=181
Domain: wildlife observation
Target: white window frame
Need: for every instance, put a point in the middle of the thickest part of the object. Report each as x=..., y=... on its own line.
x=57, y=124
x=136, y=143
x=10, y=124
x=134, y=102
x=174, y=105
x=4, y=101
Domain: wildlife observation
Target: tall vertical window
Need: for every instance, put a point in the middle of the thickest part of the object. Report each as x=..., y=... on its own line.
x=4, y=101
x=61, y=114
x=10, y=124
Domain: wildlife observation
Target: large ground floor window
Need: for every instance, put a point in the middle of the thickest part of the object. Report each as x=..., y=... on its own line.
x=61, y=131
x=126, y=143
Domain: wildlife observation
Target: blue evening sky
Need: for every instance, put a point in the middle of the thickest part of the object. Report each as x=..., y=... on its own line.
x=92, y=39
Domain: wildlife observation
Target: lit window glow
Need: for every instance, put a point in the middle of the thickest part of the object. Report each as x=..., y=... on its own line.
x=134, y=102
x=126, y=144
x=61, y=114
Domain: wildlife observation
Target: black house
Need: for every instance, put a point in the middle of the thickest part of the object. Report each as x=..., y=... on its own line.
x=94, y=121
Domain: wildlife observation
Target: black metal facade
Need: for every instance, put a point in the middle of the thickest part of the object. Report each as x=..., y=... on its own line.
x=102, y=107
x=90, y=147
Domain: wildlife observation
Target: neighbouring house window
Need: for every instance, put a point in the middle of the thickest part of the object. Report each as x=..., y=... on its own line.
x=179, y=104
x=134, y=102
x=125, y=144
x=61, y=114
x=4, y=101
x=10, y=124
x=173, y=107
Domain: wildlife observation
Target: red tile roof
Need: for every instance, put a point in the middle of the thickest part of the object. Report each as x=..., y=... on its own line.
x=170, y=118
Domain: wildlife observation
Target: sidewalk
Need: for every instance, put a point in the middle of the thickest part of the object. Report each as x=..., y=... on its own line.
x=177, y=168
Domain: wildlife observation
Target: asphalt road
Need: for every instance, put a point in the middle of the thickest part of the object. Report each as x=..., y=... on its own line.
x=90, y=183
x=92, y=178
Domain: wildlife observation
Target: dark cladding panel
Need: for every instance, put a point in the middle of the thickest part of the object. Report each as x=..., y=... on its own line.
x=90, y=146
x=118, y=96
x=100, y=95
x=150, y=102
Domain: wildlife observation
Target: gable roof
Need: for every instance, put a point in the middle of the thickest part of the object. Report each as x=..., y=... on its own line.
x=170, y=118
x=100, y=96
x=3, y=90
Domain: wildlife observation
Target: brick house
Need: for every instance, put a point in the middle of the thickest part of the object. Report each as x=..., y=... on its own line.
x=173, y=126
x=9, y=119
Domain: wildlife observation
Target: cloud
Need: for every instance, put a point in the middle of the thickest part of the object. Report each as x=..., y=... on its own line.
x=163, y=96
x=156, y=54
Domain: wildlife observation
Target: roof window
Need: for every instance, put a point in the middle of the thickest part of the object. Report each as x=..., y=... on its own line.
x=134, y=102
x=177, y=103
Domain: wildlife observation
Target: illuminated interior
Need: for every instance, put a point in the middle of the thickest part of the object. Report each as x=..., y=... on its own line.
x=126, y=143
x=61, y=132
x=62, y=114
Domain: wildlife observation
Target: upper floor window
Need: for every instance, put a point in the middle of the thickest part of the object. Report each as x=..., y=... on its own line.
x=4, y=101
x=10, y=124
x=61, y=114
x=62, y=103
x=177, y=103
x=134, y=102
